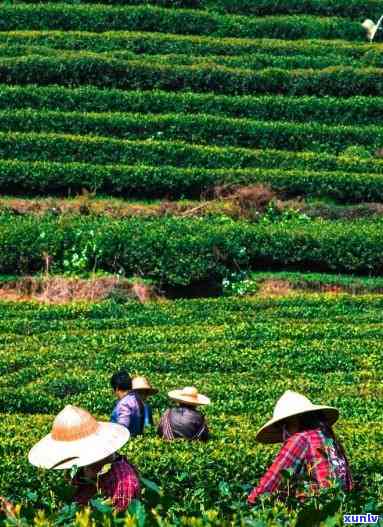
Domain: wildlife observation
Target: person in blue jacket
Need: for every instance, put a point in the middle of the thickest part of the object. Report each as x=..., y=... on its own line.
x=129, y=408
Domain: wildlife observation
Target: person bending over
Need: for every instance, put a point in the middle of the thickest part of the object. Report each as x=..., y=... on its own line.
x=78, y=440
x=185, y=421
x=310, y=449
x=129, y=408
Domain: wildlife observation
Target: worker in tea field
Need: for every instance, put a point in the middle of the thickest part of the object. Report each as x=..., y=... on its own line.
x=129, y=409
x=185, y=421
x=144, y=389
x=78, y=440
x=310, y=452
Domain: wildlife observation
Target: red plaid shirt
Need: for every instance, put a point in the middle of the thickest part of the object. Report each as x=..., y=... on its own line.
x=312, y=452
x=120, y=483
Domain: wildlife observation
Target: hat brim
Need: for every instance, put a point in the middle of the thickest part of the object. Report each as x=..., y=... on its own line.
x=271, y=432
x=177, y=395
x=50, y=453
x=150, y=391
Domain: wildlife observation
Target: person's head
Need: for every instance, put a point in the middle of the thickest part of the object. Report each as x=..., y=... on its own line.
x=189, y=397
x=121, y=383
x=77, y=439
x=142, y=386
x=144, y=394
x=301, y=422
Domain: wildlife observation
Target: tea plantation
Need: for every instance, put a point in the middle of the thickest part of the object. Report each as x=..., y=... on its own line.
x=165, y=106
x=243, y=353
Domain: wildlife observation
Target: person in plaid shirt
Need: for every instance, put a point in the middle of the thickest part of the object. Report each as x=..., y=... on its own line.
x=78, y=441
x=112, y=478
x=310, y=450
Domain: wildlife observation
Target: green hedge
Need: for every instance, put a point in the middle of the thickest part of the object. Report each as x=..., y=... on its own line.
x=183, y=251
x=256, y=61
x=197, y=128
x=41, y=177
x=180, y=251
x=155, y=43
x=194, y=4
x=105, y=18
x=104, y=151
x=87, y=68
x=349, y=9
x=357, y=110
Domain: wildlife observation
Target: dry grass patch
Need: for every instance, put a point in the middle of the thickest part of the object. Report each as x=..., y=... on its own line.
x=63, y=290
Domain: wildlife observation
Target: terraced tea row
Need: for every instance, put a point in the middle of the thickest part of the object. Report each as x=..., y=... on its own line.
x=252, y=62
x=349, y=9
x=42, y=177
x=87, y=68
x=183, y=251
x=320, y=345
x=100, y=18
x=357, y=110
x=154, y=43
x=197, y=129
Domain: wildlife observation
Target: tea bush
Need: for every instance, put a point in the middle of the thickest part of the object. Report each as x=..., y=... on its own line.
x=198, y=128
x=357, y=110
x=100, y=18
x=147, y=42
x=43, y=177
x=180, y=251
x=354, y=9
x=85, y=68
x=105, y=151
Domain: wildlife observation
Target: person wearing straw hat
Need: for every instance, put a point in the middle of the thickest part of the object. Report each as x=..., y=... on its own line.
x=129, y=408
x=310, y=450
x=78, y=440
x=142, y=386
x=184, y=421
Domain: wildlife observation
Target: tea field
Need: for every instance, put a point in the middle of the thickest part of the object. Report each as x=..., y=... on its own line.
x=243, y=353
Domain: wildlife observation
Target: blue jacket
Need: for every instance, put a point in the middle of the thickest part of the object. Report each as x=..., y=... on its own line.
x=129, y=412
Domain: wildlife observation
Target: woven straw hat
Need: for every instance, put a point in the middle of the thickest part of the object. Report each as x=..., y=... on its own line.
x=77, y=439
x=142, y=383
x=289, y=405
x=189, y=395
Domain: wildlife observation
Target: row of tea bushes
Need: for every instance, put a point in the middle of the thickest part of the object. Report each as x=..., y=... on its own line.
x=43, y=177
x=349, y=9
x=105, y=151
x=357, y=110
x=252, y=62
x=185, y=251
x=98, y=70
x=147, y=18
x=196, y=128
x=164, y=43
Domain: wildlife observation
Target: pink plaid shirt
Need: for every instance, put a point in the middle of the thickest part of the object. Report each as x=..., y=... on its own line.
x=120, y=483
x=312, y=452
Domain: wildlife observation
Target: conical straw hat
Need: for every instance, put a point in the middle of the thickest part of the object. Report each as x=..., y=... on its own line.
x=289, y=405
x=77, y=439
x=189, y=395
x=142, y=383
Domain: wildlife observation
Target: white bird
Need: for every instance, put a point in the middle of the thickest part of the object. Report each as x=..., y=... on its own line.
x=371, y=28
